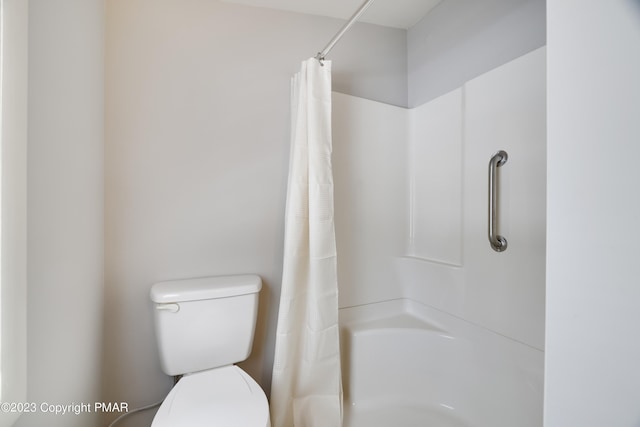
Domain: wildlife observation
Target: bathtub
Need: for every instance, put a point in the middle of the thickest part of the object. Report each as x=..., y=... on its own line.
x=406, y=364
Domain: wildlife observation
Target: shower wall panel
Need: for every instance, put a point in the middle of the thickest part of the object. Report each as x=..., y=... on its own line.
x=371, y=186
x=411, y=189
x=504, y=109
x=436, y=181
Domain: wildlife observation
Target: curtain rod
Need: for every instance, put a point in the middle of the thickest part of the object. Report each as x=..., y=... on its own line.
x=320, y=56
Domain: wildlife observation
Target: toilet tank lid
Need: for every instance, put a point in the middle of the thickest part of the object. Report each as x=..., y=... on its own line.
x=205, y=288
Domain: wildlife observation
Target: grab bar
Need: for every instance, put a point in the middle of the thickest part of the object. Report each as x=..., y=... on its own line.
x=498, y=242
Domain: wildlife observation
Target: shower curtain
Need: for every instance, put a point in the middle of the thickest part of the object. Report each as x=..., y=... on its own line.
x=306, y=389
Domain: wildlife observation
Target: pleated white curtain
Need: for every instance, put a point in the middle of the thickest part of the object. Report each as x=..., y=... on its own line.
x=307, y=389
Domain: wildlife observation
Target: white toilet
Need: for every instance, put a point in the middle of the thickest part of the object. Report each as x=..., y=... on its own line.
x=203, y=326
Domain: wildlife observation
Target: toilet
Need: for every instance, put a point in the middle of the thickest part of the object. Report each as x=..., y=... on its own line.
x=203, y=327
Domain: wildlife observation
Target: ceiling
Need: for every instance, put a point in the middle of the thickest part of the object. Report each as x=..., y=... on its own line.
x=390, y=13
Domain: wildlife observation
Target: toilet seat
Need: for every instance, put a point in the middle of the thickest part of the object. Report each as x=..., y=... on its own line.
x=221, y=397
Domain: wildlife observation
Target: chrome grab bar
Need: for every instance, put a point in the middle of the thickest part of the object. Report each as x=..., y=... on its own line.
x=498, y=242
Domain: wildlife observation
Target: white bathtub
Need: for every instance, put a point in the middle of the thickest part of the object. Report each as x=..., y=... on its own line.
x=406, y=364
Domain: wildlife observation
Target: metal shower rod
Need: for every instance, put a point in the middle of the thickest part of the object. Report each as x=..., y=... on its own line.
x=320, y=56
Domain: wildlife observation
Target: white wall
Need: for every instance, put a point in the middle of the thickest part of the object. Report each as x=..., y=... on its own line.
x=593, y=287
x=197, y=146
x=462, y=39
x=13, y=343
x=65, y=207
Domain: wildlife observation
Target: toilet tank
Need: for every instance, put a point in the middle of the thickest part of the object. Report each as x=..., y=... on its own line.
x=204, y=323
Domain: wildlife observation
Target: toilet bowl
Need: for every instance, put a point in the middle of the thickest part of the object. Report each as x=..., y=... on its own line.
x=203, y=327
x=222, y=397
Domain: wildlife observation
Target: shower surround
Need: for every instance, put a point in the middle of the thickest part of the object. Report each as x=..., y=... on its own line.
x=450, y=320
